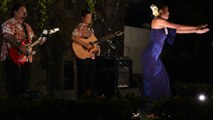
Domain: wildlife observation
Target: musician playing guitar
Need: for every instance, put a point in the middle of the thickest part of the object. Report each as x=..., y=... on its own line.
x=83, y=35
x=17, y=34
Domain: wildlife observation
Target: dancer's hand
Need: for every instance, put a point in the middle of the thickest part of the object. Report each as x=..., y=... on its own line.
x=201, y=31
x=203, y=26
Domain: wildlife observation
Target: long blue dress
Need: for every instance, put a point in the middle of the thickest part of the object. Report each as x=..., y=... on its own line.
x=155, y=78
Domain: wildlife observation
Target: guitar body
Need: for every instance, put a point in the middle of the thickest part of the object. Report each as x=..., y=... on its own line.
x=80, y=51
x=83, y=53
x=17, y=57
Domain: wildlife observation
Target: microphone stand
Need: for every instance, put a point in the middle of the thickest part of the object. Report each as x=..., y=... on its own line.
x=50, y=82
x=113, y=46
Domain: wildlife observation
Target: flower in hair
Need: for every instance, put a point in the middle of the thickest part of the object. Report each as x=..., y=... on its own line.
x=154, y=9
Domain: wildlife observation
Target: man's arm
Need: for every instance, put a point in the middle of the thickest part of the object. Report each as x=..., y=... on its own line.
x=82, y=42
x=12, y=40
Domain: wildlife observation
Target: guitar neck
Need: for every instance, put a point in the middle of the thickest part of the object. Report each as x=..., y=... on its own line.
x=40, y=39
x=34, y=43
x=104, y=39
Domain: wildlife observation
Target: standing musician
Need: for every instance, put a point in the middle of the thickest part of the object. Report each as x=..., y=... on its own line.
x=83, y=35
x=17, y=34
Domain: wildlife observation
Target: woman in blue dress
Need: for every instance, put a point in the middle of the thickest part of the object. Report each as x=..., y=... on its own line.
x=155, y=78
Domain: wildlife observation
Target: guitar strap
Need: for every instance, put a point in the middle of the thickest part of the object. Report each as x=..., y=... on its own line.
x=26, y=34
x=25, y=31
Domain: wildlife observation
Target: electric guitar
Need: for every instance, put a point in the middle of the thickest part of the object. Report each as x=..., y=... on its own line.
x=20, y=58
x=82, y=53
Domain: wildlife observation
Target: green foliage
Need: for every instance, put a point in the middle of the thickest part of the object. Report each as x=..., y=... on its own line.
x=91, y=5
x=4, y=9
x=43, y=12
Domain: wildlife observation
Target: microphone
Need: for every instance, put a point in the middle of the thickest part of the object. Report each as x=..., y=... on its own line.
x=101, y=20
x=49, y=32
x=24, y=16
x=34, y=15
x=104, y=22
x=111, y=44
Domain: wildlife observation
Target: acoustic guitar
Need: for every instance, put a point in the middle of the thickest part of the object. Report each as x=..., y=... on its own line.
x=82, y=53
